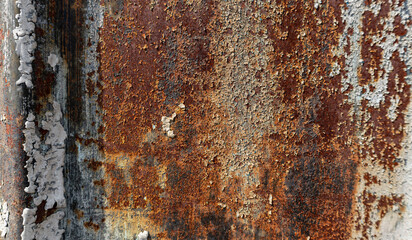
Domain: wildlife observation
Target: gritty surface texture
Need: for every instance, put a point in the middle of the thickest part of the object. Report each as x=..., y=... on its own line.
x=293, y=127
x=44, y=133
x=207, y=119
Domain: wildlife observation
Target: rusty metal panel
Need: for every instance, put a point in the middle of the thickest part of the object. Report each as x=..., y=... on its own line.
x=12, y=177
x=206, y=119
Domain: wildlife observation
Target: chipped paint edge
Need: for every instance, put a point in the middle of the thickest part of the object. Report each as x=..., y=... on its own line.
x=45, y=175
x=25, y=40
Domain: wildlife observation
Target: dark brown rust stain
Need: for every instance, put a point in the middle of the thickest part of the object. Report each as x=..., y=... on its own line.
x=370, y=179
x=100, y=182
x=44, y=77
x=371, y=70
x=93, y=164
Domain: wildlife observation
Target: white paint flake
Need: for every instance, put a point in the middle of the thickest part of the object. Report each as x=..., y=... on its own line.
x=45, y=174
x=25, y=40
x=143, y=235
x=4, y=219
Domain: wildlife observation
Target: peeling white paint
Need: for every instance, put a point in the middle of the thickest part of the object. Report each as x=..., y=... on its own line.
x=25, y=40
x=166, y=124
x=4, y=219
x=46, y=230
x=45, y=174
x=396, y=222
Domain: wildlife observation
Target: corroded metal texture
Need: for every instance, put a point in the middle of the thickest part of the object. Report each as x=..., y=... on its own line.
x=203, y=119
x=293, y=118
x=12, y=178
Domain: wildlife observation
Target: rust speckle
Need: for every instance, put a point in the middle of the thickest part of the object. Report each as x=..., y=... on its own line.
x=399, y=27
x=79, y=213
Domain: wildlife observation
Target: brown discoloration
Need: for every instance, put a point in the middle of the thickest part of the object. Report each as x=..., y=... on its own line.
x=94, y=165
x=370, y=179
x=79, y=213
x=100, y=182
x=370, y=70
x=399, y=28
x=91, y=225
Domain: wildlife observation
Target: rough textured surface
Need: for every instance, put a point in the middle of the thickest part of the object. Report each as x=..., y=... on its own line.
x=12, y=176
x=207, y=119
x=45, y=176
x=25, y=40
x=4, y=219
x=294, y=120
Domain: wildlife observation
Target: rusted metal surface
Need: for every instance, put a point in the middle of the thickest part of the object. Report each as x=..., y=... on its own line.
x=202, y=119
x=269, y=114
x=12, y=177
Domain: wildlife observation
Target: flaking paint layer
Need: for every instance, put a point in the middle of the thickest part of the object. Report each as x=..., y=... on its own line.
x=25, y=40
x=289, y=107
x=45, y=176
